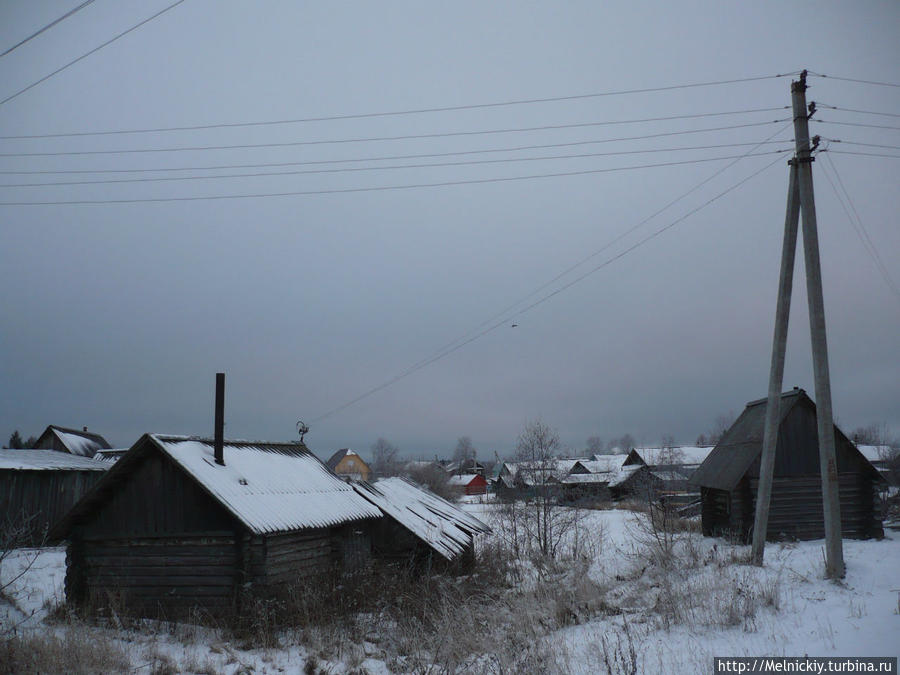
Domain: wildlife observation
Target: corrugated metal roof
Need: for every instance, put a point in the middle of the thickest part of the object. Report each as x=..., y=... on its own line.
x=269, y=487
x=48, y=460
x=447, y=529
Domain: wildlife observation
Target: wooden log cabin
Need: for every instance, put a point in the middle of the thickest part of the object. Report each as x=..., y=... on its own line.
x=729, y=477
x=180, y=524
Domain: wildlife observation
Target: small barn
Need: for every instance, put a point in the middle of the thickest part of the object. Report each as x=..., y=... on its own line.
x=729, y=477
x=181, y=523
x=348, y=464
x=37, y=488
x=468, y=483
x=83, y=443
x=420, y=528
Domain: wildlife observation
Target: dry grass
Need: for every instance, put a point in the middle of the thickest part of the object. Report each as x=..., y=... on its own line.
x=77, y=650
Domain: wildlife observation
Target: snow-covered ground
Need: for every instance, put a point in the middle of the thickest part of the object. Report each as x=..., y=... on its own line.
x=727, y=608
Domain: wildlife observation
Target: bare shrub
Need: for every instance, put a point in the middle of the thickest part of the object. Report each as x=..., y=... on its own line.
x=75, y=651
x=617, y=652
x=435, y=479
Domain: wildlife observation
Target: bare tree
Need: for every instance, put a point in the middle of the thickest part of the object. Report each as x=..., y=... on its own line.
x=536, y=452
x=384, y=459
x=873, y=434
x=464, y=450
x=595, y=445
x=435, y=479
x=721, y=424
x=622, y=445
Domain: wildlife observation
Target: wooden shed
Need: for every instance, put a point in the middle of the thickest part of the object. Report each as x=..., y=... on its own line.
x=419, y=528
x=729, y=477
x=73, y=441
x=37, y=488
x=177, y=524
x=347, y=463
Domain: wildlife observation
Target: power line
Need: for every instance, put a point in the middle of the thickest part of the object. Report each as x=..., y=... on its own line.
x=852, y=79
x=868, y=145
x=93, y=51
x=369, y=168
x=380, y=188
x=47, y=27
x=294, y=121
x=535, y=304
x=608, y=245
x=862, y=154
x=446, y=134
x=415, y=111
x=856, y=124
x=861, y=231
x=855, y=110
x=376, y=159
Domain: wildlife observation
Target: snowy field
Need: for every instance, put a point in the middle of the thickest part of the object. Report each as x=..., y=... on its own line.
x=663, y=618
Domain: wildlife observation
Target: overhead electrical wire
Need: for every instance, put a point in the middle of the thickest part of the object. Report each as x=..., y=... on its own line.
x=93, y=51
x=852, y=79
x=445, y=134
x=371, y=168
x=413, y=111
x=862, y=154
x=869, y=246
x=610, y=243
x=537, y=303
x=855, y=110
x=454, y=153
x=856, y=124
x=868, y=145
x=378, y=188
x=47, y=27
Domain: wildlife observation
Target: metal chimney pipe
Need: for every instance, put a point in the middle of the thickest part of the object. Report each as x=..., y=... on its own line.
x=219, y=442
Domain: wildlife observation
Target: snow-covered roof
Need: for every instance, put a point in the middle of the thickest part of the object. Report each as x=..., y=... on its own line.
x=78, y=442
x=875, y=453
x=603, y=463
x=110, y=456
x=269, y=487
x=668, y=475
x=623, y=474
x=589, y=478
x=610, y=472
x=48, y=460
x=462, y=479
x=552, y=467
x=684, y=455
x=444, y=527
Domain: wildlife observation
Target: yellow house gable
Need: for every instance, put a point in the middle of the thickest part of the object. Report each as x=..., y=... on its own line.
x=353, y=465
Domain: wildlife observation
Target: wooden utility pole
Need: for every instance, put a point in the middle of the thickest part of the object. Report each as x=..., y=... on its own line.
x=801, y=199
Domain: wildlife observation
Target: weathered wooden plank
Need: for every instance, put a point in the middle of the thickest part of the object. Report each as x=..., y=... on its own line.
x=162, y=560
x=170, y=581
x=161, y=591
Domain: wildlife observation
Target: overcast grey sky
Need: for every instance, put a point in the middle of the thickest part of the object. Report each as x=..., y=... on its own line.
x=116, y=316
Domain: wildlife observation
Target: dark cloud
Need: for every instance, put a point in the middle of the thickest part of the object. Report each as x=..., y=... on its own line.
x=117, y=316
